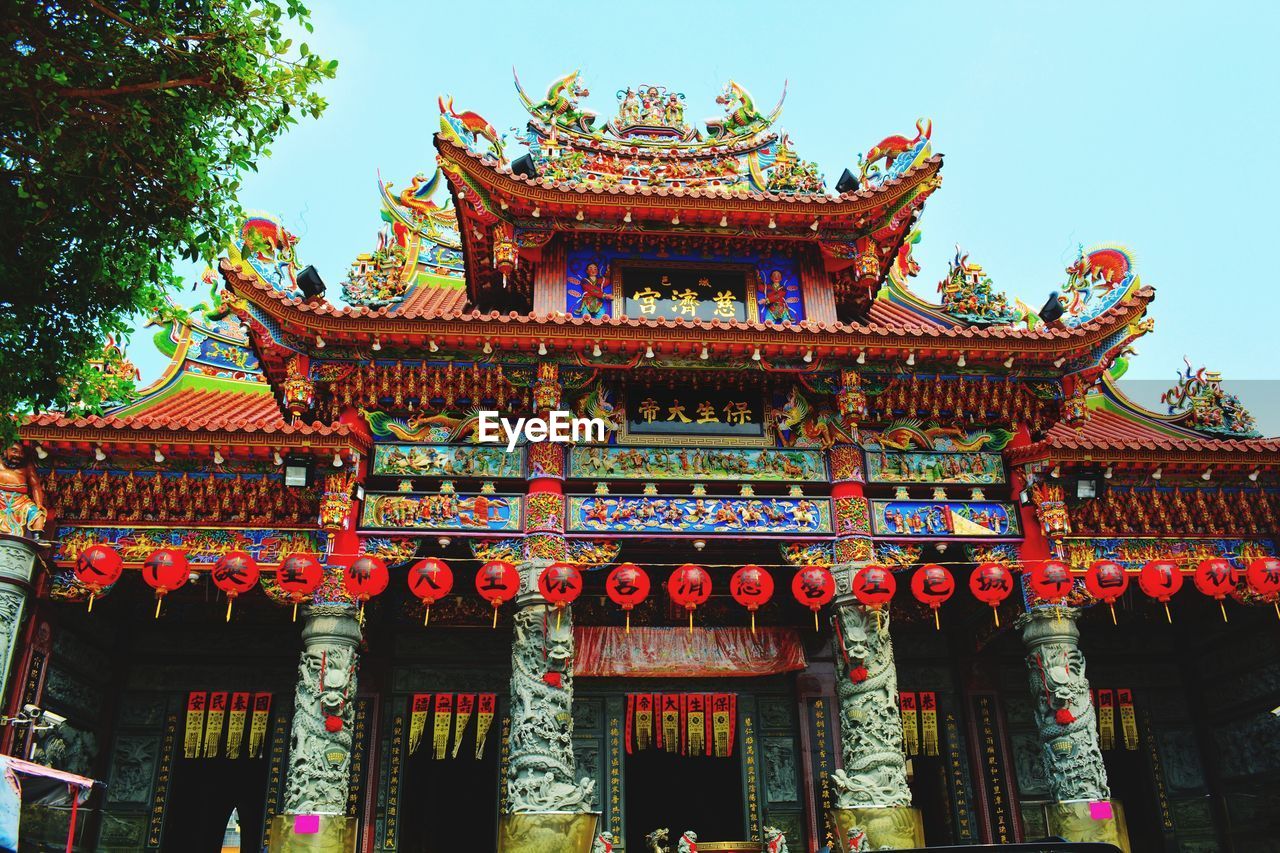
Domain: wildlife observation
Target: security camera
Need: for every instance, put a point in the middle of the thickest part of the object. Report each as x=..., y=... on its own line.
x=53, y=719
x=32, y=712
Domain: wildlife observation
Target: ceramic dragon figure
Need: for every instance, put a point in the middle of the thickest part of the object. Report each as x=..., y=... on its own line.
x=740, y=114
x=656, y=841
x=560, y=106
x=874, y=773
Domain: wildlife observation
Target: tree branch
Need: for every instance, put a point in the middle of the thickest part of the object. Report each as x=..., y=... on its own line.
x=202, y=81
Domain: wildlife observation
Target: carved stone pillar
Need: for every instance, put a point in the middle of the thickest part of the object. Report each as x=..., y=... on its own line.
x=17, y=564
x=1068, y=729
x=319, y=771
x=541, y=787
x=873, y=802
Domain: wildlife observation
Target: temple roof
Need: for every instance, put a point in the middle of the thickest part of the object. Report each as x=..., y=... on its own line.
x=1121, y=429
x=212, y=390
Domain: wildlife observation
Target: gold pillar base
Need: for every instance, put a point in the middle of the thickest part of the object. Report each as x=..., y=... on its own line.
x=1075, y=822
x=547, y=832
x=891, y=828
x=337, y=835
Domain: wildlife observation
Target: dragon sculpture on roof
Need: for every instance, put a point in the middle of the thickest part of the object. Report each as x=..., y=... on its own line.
x=1206, y=406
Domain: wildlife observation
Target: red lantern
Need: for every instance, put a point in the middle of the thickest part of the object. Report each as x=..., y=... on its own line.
x=1106, y=581
x=932, y=585
x=165, y=570
x=813, y=586
x=874, y=586
x=560, y=584
x=430, y=580
x=235, y=573
x=497, y=582
x=1264, y=579
x=627, y=585
x=1216, y=578
x=1161, y=579
x=991, y=583
x=96, y=568
x=1051, y=581
x=752, y=587
x=364, y=578
x=299, y=575
x=688, y=587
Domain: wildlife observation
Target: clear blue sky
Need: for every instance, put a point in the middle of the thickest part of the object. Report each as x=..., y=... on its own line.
x=1148, y=124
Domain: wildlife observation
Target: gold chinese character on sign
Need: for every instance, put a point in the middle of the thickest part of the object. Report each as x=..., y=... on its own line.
x=676, y=412
x=686, y=301
x=737, y=413
x=649, y=410
x=724, y=304
x=707, y=413
x=646, y=299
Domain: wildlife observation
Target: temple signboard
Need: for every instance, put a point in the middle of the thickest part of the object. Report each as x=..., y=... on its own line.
x=625, y=514
x=695, y=412
x=932, y=519
x=699, y=463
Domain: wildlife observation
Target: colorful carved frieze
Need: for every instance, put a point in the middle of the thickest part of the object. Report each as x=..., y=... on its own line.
x=932, y=519
x=201, y=545
x=441, y=460
x=441, y=511
x=698, y=515
x=696, y=463
x=927, y=467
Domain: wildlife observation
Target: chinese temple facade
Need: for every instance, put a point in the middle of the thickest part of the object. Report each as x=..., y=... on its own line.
x=293, y=593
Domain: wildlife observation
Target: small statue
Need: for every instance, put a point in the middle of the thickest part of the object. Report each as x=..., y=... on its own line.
x=603, y=843
x=688, y=842
x=774, y=840
x=22, y=502
x=656, y=841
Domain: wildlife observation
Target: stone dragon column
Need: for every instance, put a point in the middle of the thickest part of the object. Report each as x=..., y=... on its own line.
x=23, y=516
x=544, y=798
x=1068, y=728
x=17, y=564
x=319, y=772
x=873, y=804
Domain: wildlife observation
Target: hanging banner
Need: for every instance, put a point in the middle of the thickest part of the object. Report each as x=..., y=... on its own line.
x=604, y=652
x=724, y=708
x=642, y=726
x=465, y=705
x=929, y=723
x=695, y=725
x=486, y=704
x=213, y=728
x=669, y=732
x=197, y=703
x=1128, y=718
x=1106, y=719
x=443, y=720
x=235, y=723
x=258, y=723
x=910, y=724
x=419, y=708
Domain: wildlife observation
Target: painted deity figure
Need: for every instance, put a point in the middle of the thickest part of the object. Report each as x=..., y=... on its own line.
x=22, y=500
x=629, y=109
x=776, y=308
x=594, y=297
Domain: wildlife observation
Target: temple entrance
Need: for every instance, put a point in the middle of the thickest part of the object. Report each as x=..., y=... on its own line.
x=452, y=803
x=205, y=792
x=682, y=792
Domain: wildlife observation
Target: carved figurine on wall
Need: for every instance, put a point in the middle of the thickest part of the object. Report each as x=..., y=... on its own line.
x=22, y=503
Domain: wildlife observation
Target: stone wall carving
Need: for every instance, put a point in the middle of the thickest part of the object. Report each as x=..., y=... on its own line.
x=540, y=777
x=874, y=774
x=320, y=749
x=1064, y=713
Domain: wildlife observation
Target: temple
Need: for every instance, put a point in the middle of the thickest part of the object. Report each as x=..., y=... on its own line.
x=822, y=571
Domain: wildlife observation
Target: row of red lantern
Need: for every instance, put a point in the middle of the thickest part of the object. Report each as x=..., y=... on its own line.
x=1052, y=581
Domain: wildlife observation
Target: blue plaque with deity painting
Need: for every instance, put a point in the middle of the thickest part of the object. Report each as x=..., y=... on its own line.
x=627, y=514
x=943, y=519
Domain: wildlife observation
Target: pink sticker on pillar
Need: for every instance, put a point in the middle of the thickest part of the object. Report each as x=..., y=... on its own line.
x=1101, y=810
x=306, y=824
